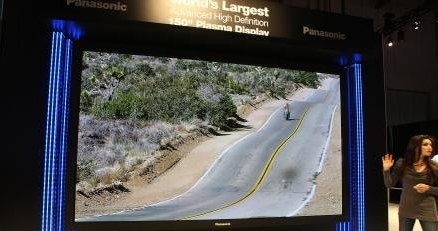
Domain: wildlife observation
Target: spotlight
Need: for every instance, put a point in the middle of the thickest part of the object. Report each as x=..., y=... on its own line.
x=416, y=24
x=389, y=42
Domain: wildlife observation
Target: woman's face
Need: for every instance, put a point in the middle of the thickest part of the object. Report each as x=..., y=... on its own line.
x=426, y=147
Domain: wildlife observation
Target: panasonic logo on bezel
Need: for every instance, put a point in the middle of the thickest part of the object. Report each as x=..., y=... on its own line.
x=117, y=6
x=320, y=33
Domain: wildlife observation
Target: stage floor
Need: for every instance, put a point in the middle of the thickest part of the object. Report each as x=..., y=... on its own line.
x=393, y=218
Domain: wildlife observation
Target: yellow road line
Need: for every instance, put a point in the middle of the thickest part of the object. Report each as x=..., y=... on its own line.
x=264, y=174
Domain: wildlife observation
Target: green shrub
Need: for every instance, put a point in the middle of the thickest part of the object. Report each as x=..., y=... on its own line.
x=128, y=105
x=86, y=101
x=309, y=79
x=85, y=170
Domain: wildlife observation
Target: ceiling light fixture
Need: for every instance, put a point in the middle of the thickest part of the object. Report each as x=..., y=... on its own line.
x=389, y=42
x=416, y=24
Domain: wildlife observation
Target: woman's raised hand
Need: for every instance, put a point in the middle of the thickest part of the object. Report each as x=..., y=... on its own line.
x=387, y=162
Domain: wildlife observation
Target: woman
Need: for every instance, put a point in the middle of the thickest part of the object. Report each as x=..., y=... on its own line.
x=418, y=175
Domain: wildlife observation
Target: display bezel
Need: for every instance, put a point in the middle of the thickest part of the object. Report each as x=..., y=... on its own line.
x=233, y=224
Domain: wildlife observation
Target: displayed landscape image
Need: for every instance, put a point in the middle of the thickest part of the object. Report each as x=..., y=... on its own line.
x=164, y=138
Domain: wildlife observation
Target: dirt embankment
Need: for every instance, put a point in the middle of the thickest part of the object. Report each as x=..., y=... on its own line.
x=327, y=198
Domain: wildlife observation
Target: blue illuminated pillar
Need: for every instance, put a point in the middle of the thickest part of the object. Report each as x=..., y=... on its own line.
x=55, y=153
x=356, y=148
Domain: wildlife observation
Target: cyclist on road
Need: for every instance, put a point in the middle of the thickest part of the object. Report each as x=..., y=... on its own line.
x=286, y=111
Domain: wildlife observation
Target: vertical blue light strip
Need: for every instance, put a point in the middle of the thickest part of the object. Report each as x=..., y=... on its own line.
x=55, y=134
x=55, y=153
x=356, y=148
x=360, y=146
x=46, y=153
x=64, y=131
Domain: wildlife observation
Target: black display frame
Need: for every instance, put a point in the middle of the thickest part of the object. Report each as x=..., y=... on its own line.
x=158, y=48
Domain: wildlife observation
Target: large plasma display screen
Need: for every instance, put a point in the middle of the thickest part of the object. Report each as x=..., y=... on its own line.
x=171, y=139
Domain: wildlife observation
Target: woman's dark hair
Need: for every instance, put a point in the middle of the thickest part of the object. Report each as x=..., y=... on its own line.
x=413, y=148
x=413, y=151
